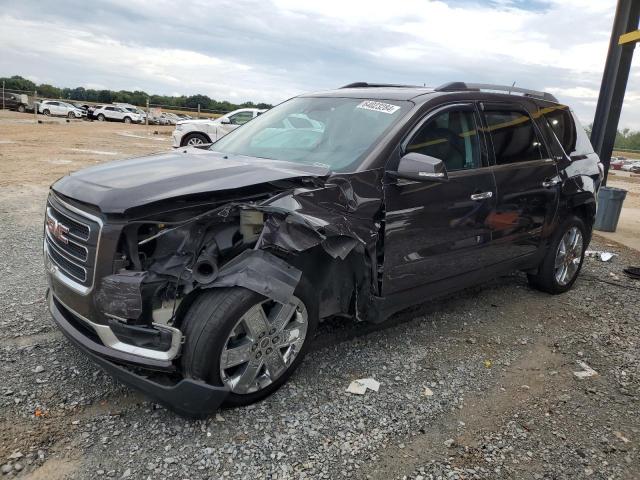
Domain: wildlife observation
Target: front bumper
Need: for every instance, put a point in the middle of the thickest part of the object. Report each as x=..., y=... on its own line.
x=186, y=397
x=176, y=136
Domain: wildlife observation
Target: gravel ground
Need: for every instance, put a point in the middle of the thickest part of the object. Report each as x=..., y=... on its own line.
x=478, y=385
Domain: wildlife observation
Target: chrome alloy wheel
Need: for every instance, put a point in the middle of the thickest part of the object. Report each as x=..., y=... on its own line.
x=195, y=141
x=568, y=256
x=263, y=344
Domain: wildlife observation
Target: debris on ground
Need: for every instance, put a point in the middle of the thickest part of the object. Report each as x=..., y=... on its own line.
x=360, y=386
x=602, y=255
x=427, y=392
x=586, y=372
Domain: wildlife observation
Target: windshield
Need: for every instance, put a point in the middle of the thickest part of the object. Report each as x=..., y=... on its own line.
x=333, y=132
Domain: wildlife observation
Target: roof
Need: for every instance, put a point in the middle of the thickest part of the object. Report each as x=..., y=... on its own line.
x=386, y=92
x=380, y=91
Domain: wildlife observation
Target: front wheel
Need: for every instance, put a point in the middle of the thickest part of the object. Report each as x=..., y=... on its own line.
x=71, y=115
x=251, y=344
x=21, y=108
x=562, y=263
x=127, y=120
x=46, y=113
x=101, y=118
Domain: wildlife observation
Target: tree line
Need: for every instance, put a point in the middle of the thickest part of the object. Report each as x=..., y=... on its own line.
x=136, y=97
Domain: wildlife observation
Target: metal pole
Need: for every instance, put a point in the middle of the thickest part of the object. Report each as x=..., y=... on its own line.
x=198, y=110
x=3, y=94
x=35, y=105
x=147, y=118
x=614, y=82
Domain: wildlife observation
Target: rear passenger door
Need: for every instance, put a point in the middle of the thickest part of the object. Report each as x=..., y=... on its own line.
x=526, y=178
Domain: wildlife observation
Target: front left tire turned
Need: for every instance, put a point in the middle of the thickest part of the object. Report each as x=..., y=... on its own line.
x=241, y=339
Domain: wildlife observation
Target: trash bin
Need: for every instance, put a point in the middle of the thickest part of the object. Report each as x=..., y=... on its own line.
x=610, y=201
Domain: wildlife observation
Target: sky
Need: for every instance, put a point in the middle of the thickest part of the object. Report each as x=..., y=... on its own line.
x=270, y=50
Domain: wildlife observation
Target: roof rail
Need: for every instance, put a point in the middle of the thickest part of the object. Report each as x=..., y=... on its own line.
x=374, y=85
x=463, y=86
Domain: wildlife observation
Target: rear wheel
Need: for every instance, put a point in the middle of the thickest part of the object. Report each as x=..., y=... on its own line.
x=194, y=139
x=563, y=260
x=127, y=120
x=239, y=338
x=22, y=108
x=46, y=113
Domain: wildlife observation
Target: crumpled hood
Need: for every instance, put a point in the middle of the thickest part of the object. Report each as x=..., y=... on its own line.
x=115, y=187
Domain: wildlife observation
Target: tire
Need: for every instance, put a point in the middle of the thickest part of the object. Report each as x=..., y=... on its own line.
x=126, y=120
x=46, y=113
x=550, y=277
x=209, y=326
x=101, y=118
x=71, y=115
x=21, y=108
x=193, y=139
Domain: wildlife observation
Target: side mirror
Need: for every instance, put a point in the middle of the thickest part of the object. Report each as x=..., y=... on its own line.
x=421, y=168
x=225, y=121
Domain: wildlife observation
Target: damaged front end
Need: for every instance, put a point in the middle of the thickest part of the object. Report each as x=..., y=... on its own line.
x=326, y=230
x=262, y=244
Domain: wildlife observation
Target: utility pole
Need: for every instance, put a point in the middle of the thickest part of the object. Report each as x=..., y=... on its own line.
x=624, y=36
x=198, y=110
x=3, y=94
x=35, y=105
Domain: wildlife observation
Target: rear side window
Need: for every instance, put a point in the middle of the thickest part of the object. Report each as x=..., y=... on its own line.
x=583, y=144
x=514, y=137
x=561, y=123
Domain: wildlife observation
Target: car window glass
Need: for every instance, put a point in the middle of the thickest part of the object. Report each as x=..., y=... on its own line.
x=240, y=118
x=514, y=137
x=343, y=132
x=561, y=123
x=451, y=137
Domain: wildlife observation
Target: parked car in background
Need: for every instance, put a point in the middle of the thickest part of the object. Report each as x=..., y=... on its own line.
x=198, y=132
x=14, y=101
x=139, y=111
x=60, y=109
x=159, y=119
x=115, y=113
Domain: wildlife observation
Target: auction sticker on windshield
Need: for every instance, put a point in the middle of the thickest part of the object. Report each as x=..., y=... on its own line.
x=378, y=106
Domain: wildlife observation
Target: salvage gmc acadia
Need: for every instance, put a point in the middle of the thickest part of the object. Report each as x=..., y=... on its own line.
x=199, y=276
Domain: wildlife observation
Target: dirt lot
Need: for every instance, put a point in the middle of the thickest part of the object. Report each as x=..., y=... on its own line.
x=478, y=385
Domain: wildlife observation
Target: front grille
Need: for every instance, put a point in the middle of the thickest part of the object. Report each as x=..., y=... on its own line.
x=71, y=240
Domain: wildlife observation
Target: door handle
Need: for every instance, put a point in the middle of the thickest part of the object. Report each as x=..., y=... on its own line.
x=481, y=196
x=551, y=182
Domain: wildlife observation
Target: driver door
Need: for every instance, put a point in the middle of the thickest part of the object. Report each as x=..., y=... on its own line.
x=439, y=230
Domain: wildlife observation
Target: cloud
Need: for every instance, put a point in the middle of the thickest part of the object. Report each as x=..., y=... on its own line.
x=271, y=50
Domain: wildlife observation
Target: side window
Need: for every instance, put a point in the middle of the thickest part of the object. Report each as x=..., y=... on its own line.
x=561, y=123
x=514, y=137
x=452, y=137
x=241, y=118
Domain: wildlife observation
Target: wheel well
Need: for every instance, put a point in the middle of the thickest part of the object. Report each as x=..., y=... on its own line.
x=587, y=213
x=190, y=134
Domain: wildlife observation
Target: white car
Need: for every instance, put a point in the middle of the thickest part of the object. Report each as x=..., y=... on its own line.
x=61, y=109
x=116, y=114
x=198, y=132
